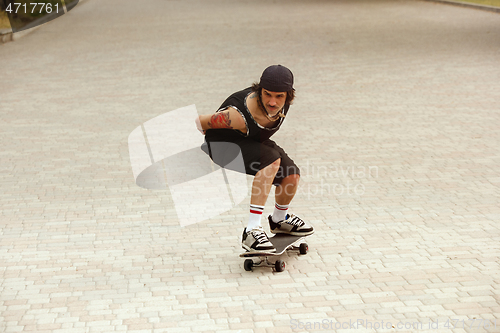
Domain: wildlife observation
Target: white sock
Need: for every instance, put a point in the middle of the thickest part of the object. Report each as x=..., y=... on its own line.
x=254, y=218
x=280, y=212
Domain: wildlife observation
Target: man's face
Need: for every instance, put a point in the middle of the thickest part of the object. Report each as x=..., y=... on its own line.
x=273, y=101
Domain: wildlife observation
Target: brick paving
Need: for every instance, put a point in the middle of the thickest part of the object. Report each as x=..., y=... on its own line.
x=395, y=128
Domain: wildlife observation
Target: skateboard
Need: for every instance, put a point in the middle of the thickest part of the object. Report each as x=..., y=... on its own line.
x=282, y=243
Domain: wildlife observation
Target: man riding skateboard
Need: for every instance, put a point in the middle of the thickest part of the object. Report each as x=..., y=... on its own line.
x=244, y=124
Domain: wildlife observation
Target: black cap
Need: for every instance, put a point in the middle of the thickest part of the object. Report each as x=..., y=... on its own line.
x=277, y=78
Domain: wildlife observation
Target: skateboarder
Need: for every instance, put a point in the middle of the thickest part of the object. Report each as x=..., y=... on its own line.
x=244, y=123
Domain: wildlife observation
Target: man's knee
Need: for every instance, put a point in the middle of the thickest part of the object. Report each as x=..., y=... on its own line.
x=275, y=166
x=272, y=168
x=290, y=182
x=292, y=179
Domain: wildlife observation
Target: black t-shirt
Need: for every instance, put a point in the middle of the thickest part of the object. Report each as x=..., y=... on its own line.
x=254, y=130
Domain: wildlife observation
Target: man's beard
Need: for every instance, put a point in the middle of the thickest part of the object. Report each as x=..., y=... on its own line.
x=277, y=115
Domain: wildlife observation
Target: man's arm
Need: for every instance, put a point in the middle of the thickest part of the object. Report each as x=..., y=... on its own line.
x=229, y=118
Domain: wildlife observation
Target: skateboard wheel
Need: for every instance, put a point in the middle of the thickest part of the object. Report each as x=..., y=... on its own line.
x=303, y=248
x=279, y=265
x=248, y=264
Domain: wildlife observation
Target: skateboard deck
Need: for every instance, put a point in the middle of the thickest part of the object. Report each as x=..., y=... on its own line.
x=282, y=243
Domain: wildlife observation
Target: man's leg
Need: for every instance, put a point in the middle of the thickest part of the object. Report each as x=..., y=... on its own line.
x=286, y=190
x=262, y=183
x=261, y=187
x=280, y=221
x=284, y=194
x=254, y=238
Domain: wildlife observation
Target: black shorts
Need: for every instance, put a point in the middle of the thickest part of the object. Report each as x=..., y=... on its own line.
x=224, y=147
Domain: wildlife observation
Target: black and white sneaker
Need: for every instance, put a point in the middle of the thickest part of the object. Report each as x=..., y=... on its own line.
x=292, y=225
x=256, y=240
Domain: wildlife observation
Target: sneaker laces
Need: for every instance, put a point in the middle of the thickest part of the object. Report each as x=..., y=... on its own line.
x=295, y=221
x=260, y=236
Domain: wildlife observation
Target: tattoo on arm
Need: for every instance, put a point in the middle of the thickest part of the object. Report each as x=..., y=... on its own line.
x=220, y=120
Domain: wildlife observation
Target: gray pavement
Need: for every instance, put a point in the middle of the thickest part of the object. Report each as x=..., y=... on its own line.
x=395, y=125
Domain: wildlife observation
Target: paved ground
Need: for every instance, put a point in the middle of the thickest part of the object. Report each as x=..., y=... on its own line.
x=396, y=128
